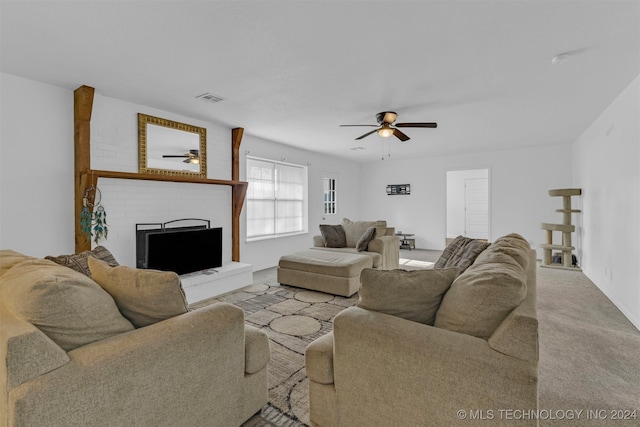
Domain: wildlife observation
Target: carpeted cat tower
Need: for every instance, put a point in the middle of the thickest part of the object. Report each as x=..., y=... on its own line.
x=565, y=260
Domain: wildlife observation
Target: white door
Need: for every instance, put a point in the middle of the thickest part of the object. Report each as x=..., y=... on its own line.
x=476, y=202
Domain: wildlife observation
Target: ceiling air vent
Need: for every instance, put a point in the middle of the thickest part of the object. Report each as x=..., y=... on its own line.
x=209, y=97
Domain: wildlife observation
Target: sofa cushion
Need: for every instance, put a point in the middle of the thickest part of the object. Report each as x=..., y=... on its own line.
x=143, y=296
x=329, y=262
x=355, y=229
x=482, y=297
x=412, y=295
x=376, y=258
x=368, y=236
x=65, y=305
x=461, y=253
x=9, y=258
x=78, y=262
x=333, y=236
x=514, y=246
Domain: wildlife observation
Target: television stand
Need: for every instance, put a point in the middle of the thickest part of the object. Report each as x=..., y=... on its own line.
x=212, y=282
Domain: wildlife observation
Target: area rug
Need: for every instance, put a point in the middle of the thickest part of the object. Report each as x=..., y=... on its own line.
x=292, y=318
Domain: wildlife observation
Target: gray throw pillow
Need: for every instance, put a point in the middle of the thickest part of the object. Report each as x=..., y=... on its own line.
x=461, y=252
x=411, y=295
x=333, y=236
x=368, y=236
x=78, y=262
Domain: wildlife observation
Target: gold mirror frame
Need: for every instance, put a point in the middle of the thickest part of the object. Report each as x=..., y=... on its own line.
x=181, y=147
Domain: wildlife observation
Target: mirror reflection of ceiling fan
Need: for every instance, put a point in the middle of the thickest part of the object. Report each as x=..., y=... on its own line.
x=193, y=156
x=385, y=119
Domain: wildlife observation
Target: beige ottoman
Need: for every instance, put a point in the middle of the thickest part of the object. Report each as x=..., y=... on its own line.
x=335, y=273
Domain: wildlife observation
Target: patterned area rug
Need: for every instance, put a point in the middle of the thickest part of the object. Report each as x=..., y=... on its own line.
x=292, y=318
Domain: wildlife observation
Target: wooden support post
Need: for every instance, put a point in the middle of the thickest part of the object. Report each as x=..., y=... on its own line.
x=82, y=107
x=238, y=192
x=236, y=140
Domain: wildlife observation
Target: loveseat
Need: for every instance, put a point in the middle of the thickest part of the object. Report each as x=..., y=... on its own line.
x=338, y=256
x=74, y=354
x=434, y=347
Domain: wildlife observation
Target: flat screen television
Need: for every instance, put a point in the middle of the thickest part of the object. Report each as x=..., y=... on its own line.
x=184, y=250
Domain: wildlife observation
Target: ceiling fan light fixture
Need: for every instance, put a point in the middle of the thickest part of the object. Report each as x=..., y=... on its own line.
x=385, y=132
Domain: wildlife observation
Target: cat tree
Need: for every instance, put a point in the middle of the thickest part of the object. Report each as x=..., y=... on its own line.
x=566, y=228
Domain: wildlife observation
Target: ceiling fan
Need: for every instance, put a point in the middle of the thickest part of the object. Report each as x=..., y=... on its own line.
x=193, y=156
x=385, y=119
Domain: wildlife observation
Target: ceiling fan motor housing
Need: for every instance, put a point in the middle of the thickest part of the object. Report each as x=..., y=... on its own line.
x=386, y=117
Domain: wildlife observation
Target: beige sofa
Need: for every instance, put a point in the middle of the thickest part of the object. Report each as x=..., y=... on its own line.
x=384, y=249
x=201, y=368
x=480, y=358
x=336, y=270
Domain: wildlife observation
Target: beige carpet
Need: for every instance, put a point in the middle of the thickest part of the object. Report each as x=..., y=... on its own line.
x=589, y=352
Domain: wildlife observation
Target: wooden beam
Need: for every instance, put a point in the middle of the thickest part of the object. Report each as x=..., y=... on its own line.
x=238, y=192
x=153, y=177
x=236, y=140
x=82, y=107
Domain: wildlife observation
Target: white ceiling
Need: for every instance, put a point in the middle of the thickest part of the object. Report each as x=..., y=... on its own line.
x=293, y=71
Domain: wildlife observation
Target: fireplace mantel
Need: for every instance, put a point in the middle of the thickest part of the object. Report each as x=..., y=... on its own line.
x=84, y=176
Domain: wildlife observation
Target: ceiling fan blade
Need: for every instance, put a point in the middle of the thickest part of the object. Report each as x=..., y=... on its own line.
x=416, y=125
x=183, y=156
x=375, y=126
x=401, y=136
x=367, y=134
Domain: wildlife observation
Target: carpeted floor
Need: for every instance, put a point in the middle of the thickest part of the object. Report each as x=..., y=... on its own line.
x=589, y=352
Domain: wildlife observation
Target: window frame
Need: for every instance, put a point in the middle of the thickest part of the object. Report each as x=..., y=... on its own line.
x=329, y=196
x=304, y=229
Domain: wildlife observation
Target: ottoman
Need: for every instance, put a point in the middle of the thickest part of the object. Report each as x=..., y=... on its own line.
x=335, y=273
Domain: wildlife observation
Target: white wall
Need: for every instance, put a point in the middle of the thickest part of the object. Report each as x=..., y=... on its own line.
x=36, y=176
x=519, y=180
x=606, y=167
x=36, y=167
x=114, y=147
x=266, y=253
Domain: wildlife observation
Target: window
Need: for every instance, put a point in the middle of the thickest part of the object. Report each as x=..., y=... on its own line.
x=329, y=196
x=276, y=199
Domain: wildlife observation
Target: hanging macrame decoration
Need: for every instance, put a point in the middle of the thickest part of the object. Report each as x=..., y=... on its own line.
x=93, y=217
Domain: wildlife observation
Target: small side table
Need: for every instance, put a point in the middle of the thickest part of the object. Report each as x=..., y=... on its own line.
x=406, y=241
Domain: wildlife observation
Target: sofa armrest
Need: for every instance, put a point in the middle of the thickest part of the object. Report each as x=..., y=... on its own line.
x=318, y=358
x=25, y=351
x=256, y=349
x=389, y=248
x=174, y=364
x=387, y=368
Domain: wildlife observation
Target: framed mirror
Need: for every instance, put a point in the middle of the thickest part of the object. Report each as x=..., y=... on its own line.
x=171, y=148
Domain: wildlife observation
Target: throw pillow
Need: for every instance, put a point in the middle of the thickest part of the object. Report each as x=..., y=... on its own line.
x=65, y=305
x=461, y=253
x=143, y=296
x=368, y=236
x=412, y=295
x=512, y=245
x=333, y=236
x=482, y=297
x=78, y=262
x=355, y=229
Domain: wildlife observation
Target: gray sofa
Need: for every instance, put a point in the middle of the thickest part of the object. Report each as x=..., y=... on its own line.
x=70, y=358
x=379, y=368
x=336, y=269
